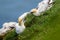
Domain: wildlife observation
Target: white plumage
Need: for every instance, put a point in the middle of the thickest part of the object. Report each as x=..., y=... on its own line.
x=9, y=25
x=42, y=7
x=3, y=32
x=12, y=24
x=6, y=27
x=19, y=28
x=22, y=17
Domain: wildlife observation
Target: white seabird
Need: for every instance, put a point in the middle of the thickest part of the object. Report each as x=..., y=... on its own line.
x=42, y=7
x=7, y=27
x=20, y=27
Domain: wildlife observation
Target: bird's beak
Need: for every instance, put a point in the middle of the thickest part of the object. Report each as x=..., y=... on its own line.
x=19, y=21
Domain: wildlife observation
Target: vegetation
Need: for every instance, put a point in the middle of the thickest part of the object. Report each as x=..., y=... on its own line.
x=44, y=27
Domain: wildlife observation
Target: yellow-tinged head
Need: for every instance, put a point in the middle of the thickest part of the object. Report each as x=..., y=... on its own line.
x=34, y=10
x=20, y=20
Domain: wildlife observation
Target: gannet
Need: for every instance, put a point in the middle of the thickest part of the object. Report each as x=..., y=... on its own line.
x=42, y=7
x=7, y=27
x=20, y=27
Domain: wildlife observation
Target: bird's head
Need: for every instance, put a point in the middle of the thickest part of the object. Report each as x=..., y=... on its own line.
x=33, y=10
x=12, y=24
x=20, y=20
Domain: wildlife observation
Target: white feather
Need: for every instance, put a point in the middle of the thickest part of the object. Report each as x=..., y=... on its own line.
x=42, y=7
x=6, y=27
x=19, y=29
x=24, y=15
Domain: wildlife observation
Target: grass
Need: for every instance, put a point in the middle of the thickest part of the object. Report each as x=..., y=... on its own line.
x=44, y=27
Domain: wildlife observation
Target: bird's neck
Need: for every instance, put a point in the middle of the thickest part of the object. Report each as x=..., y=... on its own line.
x=22, y=23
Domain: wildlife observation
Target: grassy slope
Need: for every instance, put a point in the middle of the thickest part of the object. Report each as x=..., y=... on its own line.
x=44, y=27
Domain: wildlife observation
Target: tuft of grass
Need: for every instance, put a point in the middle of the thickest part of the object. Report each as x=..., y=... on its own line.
x=44, y=27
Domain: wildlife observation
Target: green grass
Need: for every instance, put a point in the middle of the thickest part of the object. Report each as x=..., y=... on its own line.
x=44, y=27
